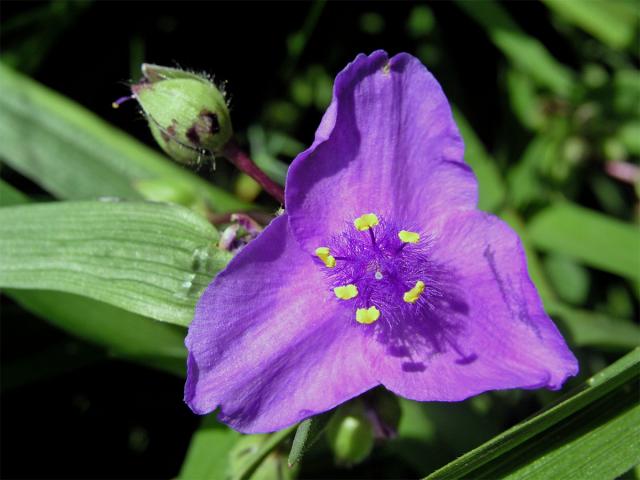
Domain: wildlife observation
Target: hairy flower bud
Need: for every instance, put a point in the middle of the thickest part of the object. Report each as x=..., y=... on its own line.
x=187, y=113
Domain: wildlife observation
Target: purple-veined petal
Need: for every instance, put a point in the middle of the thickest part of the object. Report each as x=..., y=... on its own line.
x=387, y=144
x=269, y=344
x=487, y=330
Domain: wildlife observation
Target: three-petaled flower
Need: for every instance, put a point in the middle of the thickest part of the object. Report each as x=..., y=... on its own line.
x=381, y=272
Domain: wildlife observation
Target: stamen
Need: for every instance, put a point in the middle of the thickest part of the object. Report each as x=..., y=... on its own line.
x=323, y=254
x=413, y=295
x=367, y=315
x=408, y=237
x=366, y=221
x=121, y=100
x=378, y=275
x=346, y=292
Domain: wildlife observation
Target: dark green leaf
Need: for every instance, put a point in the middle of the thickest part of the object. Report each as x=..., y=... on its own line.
x=574, y=422
x=122, y=333
x=492, y=188
x=10, y=196
x=306, y=434
x=151, y=259
x=523, y=51
x=600, y=442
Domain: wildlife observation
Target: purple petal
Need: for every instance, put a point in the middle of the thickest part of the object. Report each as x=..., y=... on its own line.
x=269, y=345
x=387, y=145
x=487, y=330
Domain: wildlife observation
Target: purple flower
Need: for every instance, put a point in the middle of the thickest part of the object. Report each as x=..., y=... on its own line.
x=381, y=272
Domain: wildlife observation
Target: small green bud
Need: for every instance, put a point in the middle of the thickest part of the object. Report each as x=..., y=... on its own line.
x=350, y=434
x=187, y=113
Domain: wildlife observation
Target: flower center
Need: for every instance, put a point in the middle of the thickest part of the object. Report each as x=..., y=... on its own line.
x=376, y=268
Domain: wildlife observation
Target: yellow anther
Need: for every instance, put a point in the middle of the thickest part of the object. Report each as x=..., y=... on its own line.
x=323, y=254
x=366, y=221
x=346, y=292
x=413, y=295
x=409, y=237
x=367, y=315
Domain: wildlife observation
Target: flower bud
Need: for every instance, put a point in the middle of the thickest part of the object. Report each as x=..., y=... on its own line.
x=350, y=434
x=187, y=113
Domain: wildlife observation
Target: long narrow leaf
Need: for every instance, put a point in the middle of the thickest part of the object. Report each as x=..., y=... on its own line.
x=617, y=378
x=151, y=259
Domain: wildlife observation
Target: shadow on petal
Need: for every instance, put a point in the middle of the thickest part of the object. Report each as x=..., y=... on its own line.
x=431, y=327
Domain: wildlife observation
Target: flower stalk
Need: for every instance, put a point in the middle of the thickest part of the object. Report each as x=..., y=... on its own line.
x=243, y=162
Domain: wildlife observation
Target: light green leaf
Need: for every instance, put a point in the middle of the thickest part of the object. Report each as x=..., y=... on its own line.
x=593, y=329
x=122, y=333
x=492, y=188
x=75, y=155
x=569, y=279
x=583, y=423
x=588, y=236
x=151, y=259
x=584, y=328
x=208, y=454
x=523, y=51
x=611, y=21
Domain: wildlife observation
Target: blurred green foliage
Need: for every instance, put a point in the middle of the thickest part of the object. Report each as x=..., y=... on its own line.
x=556, y=156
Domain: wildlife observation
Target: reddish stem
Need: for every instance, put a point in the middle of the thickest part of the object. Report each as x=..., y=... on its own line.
x=242, y=161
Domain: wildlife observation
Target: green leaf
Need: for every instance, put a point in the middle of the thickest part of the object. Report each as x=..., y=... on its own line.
x=151, y=259
x=583, y=423
x=10, y=196
x=600, y=443
x=593, y=329
x=208, y=454
x=588, y=236
x=569, y=279
x=492, y=188
x=524, y=99
x=122, y=333
x=307, y=433
x=523, y=51
x=75, y=155
x=251, y=462
x=584, y=328
x=610, y=21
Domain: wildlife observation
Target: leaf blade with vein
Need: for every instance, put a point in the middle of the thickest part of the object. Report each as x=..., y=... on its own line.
x=151, y=259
